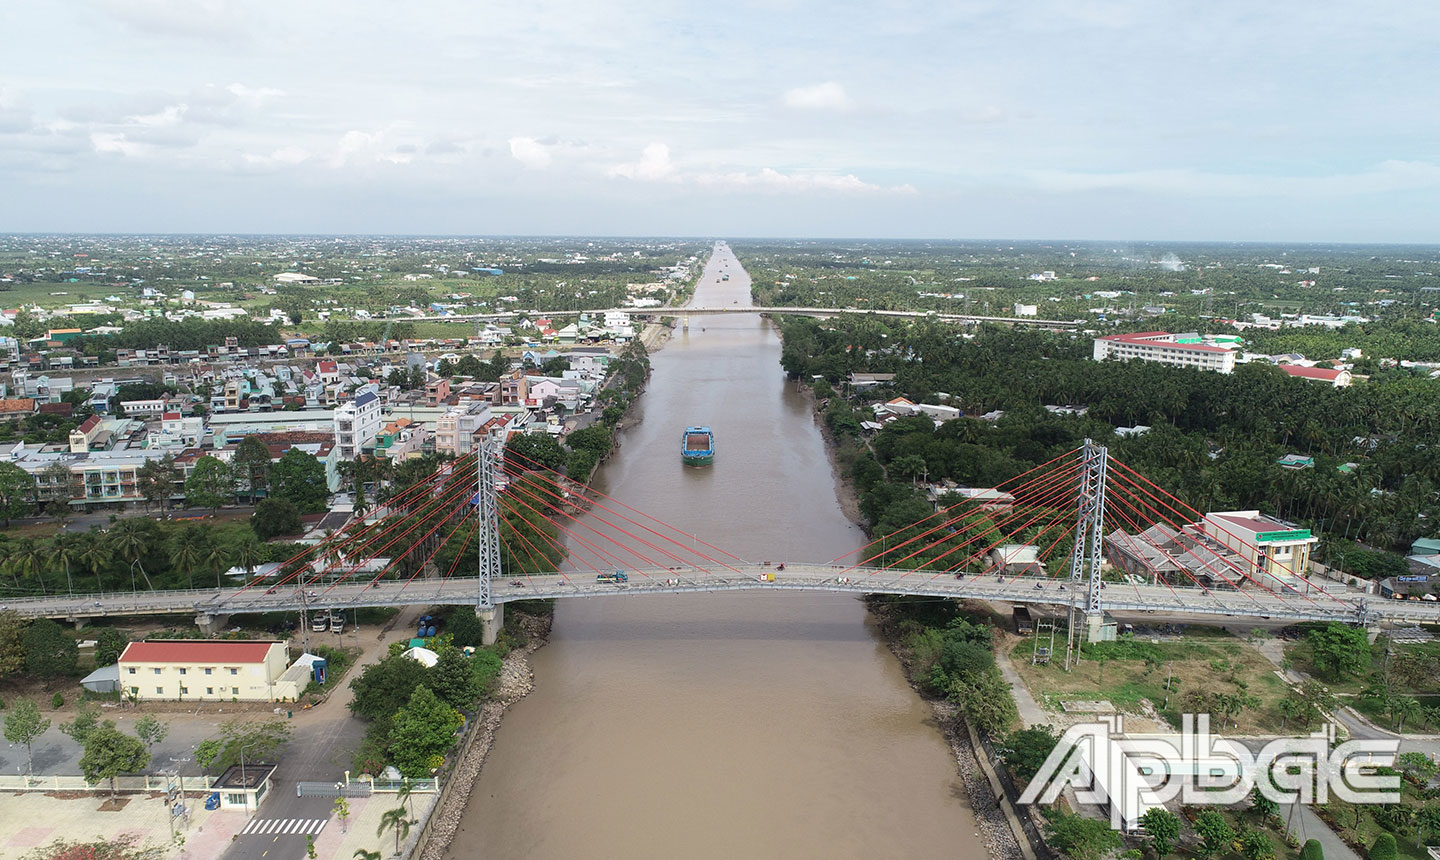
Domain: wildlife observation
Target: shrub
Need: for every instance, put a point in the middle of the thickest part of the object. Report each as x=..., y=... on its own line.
x=57, y=701
x=1312, y=850
x=1384, y=848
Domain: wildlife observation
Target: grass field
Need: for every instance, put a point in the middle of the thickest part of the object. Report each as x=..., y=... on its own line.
x=1133, y=672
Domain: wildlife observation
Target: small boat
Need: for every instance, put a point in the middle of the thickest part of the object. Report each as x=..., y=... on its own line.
x=697, y=446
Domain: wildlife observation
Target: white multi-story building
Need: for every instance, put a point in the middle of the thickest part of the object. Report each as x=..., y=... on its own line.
x=1165, y=348
x=455, y=430
x=357, y=423
x=176, y=432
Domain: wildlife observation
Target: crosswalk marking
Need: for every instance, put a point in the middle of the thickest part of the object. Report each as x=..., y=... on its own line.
x=285, y=826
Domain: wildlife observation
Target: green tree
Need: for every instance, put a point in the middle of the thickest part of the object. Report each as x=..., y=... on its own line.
x=17, y=492
x=986, y=700
x=1255, y=844
x=526, y=451
x=299, y=478
x=109, y=645
x=342, y=812
x=275, y=517
x=384, y=687
x=453, y=679
x=1025, y=750
x=12, y=643
x=110, y=752
x=262, y=742
x=151, y=730
x=85, y=721
x=1214, y=832
x=210, y=485
x=23, y=724
x=49, y=651
x=394, y=819
x=1384, y=848
x=1262, y=805
x=1081, y=838
x=422, y=731
x=1162, y=827
x=1340, y=651
x=595, y=438
x=157, y=479
x=252, y=467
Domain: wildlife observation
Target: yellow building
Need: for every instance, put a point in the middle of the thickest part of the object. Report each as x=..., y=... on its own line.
x=197, y=670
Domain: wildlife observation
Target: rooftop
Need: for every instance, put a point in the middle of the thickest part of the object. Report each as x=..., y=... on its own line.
x=196, y=651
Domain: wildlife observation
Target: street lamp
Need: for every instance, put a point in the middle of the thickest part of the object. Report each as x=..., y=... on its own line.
x=244, y=784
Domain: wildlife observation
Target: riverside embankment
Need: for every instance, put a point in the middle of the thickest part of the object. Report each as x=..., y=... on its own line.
x=727, y=724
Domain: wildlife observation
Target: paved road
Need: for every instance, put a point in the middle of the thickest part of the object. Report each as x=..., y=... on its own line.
x=741, y=576
x=324, y=745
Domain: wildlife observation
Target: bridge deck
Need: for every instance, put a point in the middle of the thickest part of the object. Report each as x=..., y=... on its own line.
x=743, y=577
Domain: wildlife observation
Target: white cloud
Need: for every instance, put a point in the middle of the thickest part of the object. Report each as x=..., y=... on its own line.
x=169, y=115
x=254, y=96
x=285, y=156
x=1385, y=177
x=654, y=166
x=530, y=152
x=116, y=143
x=826, y=96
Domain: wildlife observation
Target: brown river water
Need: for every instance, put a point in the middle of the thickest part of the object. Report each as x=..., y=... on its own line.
x=725, y=725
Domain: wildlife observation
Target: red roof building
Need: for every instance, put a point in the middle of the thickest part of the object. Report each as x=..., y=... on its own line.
x=184, y=670
x=1337, y=377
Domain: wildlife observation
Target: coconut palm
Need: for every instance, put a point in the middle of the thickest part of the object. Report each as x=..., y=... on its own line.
x=362, y=854
x=131, y=543
x=64, y=550
x=215, y=559
x=395, y=819
x=185, y=555
x=95, y=554
x=26, y=557
x=247, y=555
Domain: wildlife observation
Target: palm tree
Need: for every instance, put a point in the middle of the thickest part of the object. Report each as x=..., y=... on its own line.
x=362, y=854
x=65, y=549
x=394, y=819
x=5, y=551
x=247, y=555
x=215, y=559
x=95, y=555
x=131, y=542
x=26, y=557
x=185, y=554
x=1406, y=707
x=403, y=796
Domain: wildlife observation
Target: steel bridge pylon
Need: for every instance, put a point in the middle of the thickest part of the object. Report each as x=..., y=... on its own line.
x=1087, y=558
x=487, y=509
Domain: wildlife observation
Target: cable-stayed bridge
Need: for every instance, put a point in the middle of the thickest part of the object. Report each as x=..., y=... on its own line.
x=493, y=527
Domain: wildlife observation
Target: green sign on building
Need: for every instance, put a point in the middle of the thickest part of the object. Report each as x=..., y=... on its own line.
x=1288, y=535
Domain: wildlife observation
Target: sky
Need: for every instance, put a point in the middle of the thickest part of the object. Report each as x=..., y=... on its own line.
x=1044, y=119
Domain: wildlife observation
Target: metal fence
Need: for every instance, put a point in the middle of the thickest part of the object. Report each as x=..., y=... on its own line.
x=66, y=782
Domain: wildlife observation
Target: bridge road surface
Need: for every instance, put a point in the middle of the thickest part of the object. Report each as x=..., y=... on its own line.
x=1252, y=601
x=695, y=310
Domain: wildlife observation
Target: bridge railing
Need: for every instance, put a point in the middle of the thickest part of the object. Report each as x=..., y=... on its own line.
x=73, y=782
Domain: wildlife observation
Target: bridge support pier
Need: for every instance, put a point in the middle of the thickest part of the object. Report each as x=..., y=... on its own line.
x=80, y=622
x=492, y=621
x=210, y=624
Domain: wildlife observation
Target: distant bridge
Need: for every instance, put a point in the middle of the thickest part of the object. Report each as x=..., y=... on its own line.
x=690, y=311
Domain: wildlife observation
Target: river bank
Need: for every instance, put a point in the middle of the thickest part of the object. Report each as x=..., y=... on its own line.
x=516, y=681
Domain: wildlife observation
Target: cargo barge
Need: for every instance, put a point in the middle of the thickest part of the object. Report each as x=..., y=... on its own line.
x=697, y=447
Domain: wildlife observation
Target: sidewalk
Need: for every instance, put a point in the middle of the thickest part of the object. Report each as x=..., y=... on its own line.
x=1031, y=714
x=31, y=820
